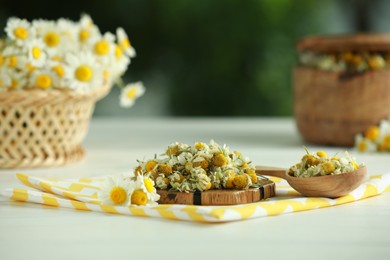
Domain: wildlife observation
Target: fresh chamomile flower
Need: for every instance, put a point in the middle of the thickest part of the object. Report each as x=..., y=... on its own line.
x=18, y=79
x=68, y=29
x=124, y=42
x=147, y=185
x=56, y=41
x=115, y=190
x=19, y=30
x=84, y=72
x=43, y=79
x=5, y=80
x=35, y=52
x=364, y=144
x=13, y=58
x=61, y=73
x=130, y=93
x=88, y=32
x=104, y=46
x=384, y=136
x=119, y=62
x=142, y=192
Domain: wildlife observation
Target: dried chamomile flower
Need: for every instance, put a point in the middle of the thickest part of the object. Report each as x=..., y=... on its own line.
x=199, y=167
x=319, y=164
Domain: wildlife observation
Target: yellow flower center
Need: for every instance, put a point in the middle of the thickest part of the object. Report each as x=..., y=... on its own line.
x=322, y=154
x=118, y=195
x=84, y=35
x=57, y=58
x=237, y=153
x=254, y=178
x=172, y=150
x=30, y=68
x=219, y=160
x=229, y=183
x=14, y=83
x=83, y=73
x=310, y=160
x=139, y=198
x=165, y=168
x=106, y=74
x=150, y=166
x=118, y=52
x=328, y=167
x=1, y=60
x=13, y=61
x=241, y=181
x=149, y=185
x=36, y=52
x=362, y=146
x=386, y=142
x=43, y=81
x=59, y=70
x=199, y=145
x=21, y=33
x=204, y=164
x=132, y=93
x=102, y=47
x=372, y=133
x=51, y=39
x=355, y=165
x=125, y=43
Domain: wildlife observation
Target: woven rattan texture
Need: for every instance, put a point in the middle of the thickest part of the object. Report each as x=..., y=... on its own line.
x=44, y=128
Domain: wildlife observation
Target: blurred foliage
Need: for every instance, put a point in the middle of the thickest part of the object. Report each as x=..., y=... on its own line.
x=216, y=58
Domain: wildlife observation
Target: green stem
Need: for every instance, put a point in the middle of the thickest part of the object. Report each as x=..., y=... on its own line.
x=119, y=82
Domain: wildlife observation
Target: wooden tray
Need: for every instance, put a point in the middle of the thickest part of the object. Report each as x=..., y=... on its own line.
x=219, y=197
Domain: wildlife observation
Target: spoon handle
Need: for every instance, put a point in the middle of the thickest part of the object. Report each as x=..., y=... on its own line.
x=271, y=171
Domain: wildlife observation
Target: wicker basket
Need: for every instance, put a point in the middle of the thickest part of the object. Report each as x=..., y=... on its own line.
x=44, y=128
x=330, y=108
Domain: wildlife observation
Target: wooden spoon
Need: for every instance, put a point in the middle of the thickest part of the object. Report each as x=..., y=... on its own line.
x=330, y=186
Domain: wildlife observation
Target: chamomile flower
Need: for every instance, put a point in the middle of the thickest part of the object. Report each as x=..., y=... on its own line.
x=84, y=72
x=43, y=79
x=142, y=192
x=55, y=40
x=130, y=93
x=68, y=30
x=1, y=59
x=88, y=32
x=13, y=58
x=18, y=79
x=5, y=80
x=124, y=42
x=104, y=46
x=119, y=62
x=364, y=144
x=19, y=30
x=61, y=73
x=35, y=52
x=115, y=191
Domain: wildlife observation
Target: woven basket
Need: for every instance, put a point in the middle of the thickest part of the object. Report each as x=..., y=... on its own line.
x=330, y=108
x=44, y=128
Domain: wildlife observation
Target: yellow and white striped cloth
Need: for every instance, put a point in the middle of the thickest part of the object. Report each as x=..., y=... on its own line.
x=81, y=194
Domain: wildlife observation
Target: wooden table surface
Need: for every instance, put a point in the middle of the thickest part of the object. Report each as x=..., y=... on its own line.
x=357, y=230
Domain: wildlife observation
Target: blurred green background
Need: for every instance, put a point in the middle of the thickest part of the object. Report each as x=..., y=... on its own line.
x=212, y=57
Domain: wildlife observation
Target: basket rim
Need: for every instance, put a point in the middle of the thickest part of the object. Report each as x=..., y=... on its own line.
x=36, y=96
x=345, y=42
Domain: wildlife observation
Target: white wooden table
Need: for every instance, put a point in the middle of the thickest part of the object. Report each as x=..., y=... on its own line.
x=359, y=230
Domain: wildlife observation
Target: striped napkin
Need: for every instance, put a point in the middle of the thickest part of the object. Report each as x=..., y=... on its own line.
x=81, y=194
